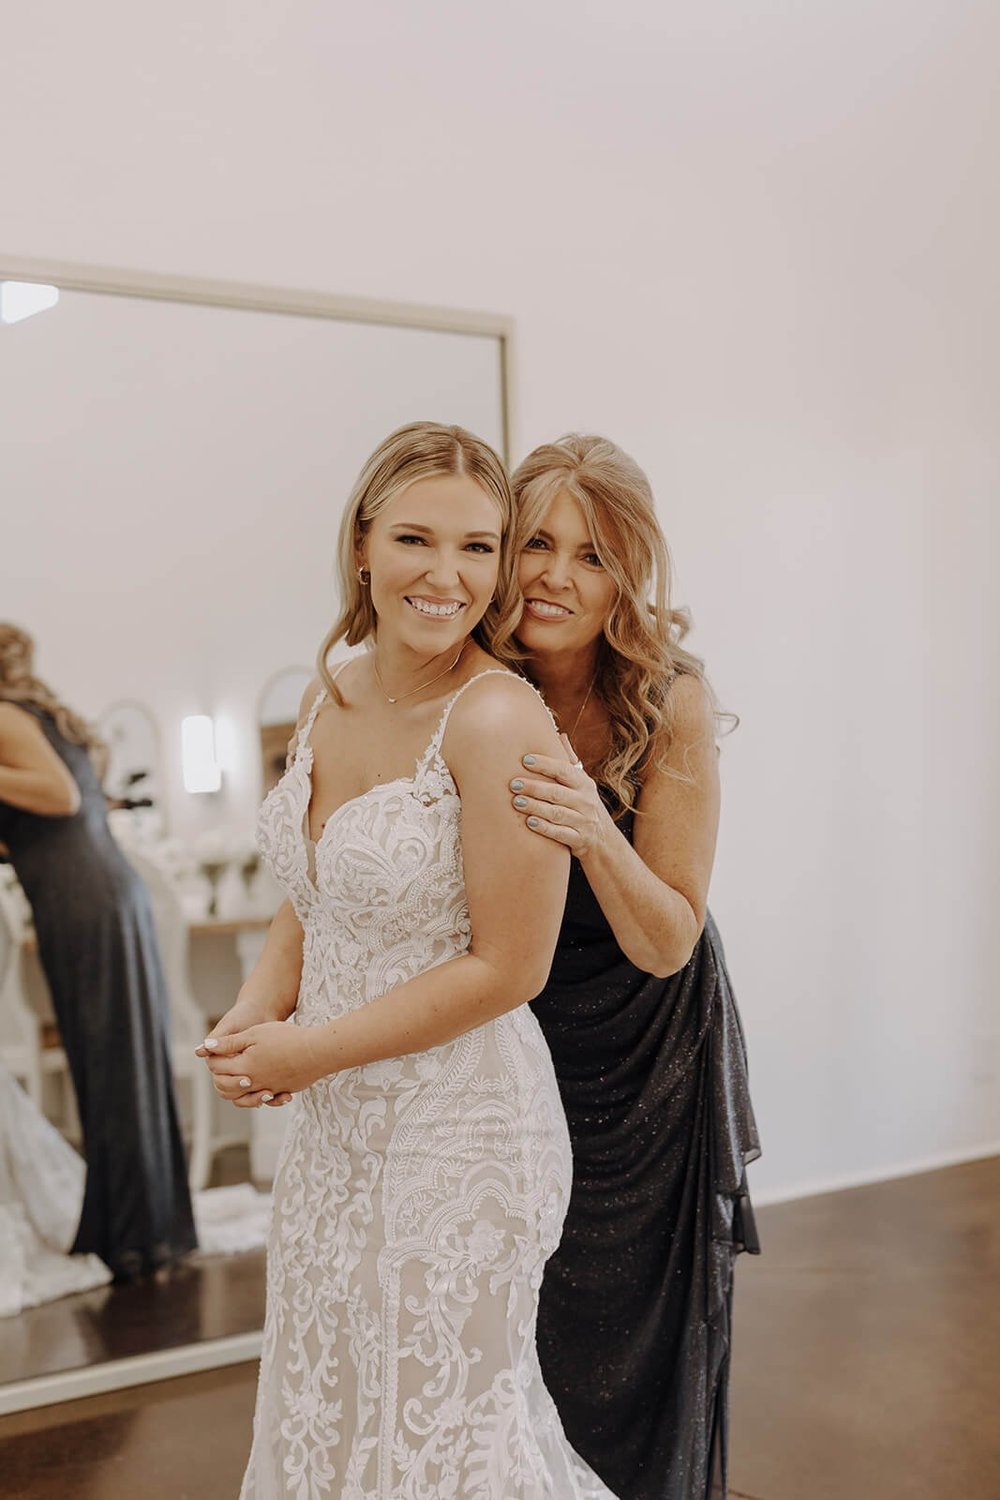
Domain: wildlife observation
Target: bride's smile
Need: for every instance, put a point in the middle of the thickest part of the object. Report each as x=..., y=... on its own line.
x=431, y=557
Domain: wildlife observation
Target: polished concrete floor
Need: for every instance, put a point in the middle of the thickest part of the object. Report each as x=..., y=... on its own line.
x=867, y=1367
x=867, y=1344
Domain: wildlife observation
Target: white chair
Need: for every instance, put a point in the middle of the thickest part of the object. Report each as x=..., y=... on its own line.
x=21, y=1029
x=188, y=1023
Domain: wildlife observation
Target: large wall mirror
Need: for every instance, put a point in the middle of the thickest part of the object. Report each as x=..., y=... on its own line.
x=176, y=455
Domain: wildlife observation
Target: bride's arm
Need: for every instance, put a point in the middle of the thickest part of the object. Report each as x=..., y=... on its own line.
x=271, y=990
x=516, y=888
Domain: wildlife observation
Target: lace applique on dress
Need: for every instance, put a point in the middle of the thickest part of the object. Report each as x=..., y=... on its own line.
x=416, y=1200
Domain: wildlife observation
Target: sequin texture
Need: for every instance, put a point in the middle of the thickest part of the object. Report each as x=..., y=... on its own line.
x=634, y=1322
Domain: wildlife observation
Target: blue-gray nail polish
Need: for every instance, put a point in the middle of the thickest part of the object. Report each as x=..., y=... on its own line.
x=517, y=786
x=520, y=801
x=533, y=822
x=527, y=760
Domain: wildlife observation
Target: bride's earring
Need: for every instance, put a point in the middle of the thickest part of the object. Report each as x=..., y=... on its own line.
x=364, y=577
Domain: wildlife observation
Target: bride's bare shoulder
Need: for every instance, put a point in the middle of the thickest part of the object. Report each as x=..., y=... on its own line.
x=500, y=709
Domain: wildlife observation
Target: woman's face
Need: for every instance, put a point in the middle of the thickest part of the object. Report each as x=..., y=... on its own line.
x=433, y=553
x=567, y=593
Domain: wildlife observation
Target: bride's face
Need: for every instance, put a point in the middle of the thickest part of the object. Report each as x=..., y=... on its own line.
x=433, y=554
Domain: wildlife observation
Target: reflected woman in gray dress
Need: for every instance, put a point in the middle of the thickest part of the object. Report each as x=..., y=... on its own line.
x=97, y=948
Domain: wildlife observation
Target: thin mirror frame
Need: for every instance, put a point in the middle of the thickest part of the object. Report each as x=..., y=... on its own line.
x=291, y=301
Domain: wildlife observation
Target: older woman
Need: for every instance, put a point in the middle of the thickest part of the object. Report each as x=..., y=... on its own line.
x=638, y=1011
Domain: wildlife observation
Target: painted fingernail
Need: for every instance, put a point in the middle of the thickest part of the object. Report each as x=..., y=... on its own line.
x=533, y=822
x=266, y=1098
x=527, y=760
x=245, y=1083
x=520, y=801
x=517, y=786
x=210, y=1044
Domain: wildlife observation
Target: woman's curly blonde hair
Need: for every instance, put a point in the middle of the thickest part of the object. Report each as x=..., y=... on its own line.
x=641, y=653
x=423, y=450
x=18, y=684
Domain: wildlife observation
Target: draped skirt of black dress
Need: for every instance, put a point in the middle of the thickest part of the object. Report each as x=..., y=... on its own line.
x=634, y=1321
x=98, y=949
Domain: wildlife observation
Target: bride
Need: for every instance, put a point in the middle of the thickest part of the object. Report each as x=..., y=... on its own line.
x=426, y=1170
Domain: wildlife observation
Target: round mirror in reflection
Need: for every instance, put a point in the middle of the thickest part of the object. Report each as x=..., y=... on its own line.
x=134, y=777
x=277, y=712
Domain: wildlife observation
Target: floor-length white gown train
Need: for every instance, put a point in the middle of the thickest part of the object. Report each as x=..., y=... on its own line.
x=416, y=1200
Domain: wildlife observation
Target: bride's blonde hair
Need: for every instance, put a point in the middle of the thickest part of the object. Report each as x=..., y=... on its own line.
x=423, y=450
x=641, y=653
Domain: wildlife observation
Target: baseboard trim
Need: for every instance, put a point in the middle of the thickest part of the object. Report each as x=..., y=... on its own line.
x=118, y=1374
x=816, y=1186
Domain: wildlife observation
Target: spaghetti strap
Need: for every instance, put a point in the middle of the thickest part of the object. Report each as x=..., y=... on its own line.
x=302, y=737
x=305, y=729
x=436, y=742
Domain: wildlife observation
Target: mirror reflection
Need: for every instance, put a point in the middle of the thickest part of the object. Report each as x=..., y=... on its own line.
x=183, y=469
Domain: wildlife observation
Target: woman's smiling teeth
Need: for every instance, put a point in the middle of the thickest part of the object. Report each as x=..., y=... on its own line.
x=434, y=610
x=546, y=611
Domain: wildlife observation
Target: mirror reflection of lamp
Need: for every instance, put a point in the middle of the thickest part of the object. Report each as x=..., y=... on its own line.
x=199, y=758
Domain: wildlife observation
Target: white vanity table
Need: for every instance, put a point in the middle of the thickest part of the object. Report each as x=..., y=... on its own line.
x=222, y=954
x=247, y=936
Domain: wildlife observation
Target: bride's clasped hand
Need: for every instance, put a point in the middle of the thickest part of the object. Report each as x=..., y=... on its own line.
x=276, y=1058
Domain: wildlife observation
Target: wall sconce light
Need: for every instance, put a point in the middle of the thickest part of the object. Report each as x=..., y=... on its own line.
x=199, y=760
x=22, y=299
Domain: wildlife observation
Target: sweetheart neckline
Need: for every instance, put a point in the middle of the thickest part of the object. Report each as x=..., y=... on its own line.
x=309, y=843
x=431, y=751
x=360, y=797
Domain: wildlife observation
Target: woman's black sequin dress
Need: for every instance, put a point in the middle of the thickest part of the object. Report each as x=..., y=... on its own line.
x=98, y=949
x=634, y=1321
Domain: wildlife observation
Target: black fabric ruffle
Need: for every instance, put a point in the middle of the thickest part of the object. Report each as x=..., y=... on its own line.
x=635, y=1314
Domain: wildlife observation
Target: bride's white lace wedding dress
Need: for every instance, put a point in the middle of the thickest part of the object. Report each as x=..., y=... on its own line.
x=416, y=1200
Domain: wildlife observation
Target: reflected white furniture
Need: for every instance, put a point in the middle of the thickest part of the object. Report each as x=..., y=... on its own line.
x=26, y=1014
x=187, y=1019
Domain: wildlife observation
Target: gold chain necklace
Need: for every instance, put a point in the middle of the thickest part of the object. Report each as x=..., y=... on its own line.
x=583, y=705
x=400, y=696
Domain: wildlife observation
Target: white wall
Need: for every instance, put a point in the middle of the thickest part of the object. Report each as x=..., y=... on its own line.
x=756, y=243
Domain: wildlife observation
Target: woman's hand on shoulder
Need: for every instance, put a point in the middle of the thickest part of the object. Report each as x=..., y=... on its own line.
x=559, y=801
